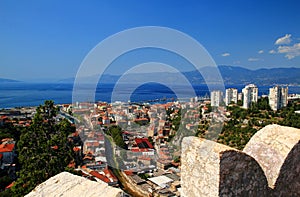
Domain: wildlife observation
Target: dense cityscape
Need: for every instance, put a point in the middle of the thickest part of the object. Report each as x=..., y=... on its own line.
x=149, y=98
x=136, y=146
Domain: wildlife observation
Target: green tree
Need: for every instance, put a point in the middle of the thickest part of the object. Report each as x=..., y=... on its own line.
x=44, y=150
x=4, y=181
x=10, y=131
x=116, y=133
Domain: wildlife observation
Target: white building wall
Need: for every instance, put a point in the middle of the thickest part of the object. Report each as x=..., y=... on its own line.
x=231, y=96
x=216, y=98
x=278, y=97
x=250, y=94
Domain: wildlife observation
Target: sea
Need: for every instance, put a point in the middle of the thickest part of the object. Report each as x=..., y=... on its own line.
x=20, y=94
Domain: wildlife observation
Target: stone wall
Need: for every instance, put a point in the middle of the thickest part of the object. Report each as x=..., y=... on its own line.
x=288, y=182
x=200, y=167
x=270, y=146
x=240, y=175
x=65, y=184
x=268, y=166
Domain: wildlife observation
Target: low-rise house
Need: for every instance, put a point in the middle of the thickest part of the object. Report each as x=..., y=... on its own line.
x=143, y=143
x=141, y=121
x=163, y=164
x=113, y=179
x=91, y=145
x=7, y=150
x=3, y=120
x=138, y=180
x=144, y=161
x=105, y=120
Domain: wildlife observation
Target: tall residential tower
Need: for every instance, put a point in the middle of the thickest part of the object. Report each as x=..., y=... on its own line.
x=231, y=96
x=216, y=98
x=250, y=95
x=278, y=97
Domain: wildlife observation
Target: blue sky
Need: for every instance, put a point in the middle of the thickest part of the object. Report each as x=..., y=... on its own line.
x=49, y=39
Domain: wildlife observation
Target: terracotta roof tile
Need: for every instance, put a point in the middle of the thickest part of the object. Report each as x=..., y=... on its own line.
x=6, y=147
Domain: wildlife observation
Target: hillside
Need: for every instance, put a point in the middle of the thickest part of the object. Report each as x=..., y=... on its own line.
x=238, y=75
x=231, y=75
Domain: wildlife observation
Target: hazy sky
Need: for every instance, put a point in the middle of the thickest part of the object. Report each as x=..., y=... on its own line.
x=49, y=39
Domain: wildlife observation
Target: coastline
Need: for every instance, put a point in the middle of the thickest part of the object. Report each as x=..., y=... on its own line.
x=22, y=95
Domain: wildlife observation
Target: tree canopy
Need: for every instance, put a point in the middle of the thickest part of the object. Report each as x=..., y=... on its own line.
x=44, y=150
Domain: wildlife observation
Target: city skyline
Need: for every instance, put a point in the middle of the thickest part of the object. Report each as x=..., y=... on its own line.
x=49, y=39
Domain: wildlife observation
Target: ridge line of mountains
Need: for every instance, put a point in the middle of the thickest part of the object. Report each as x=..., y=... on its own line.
x=232, y=75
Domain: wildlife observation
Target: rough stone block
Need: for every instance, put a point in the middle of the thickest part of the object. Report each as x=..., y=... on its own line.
x=269, y=165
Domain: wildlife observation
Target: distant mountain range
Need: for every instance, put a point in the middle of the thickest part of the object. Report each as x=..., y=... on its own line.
x=230, y=74
x=238, y=75
x=2, y=80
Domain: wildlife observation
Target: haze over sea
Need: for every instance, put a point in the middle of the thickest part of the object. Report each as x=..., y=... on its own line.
x=33, y=94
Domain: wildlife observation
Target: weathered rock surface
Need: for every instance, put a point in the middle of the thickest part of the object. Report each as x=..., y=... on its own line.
x=268, y=166
x=270, y=147
x=213, y=169
x=277, y=150
x=66, y=184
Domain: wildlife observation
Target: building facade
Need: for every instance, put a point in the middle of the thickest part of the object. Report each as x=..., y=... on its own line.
x=216, y=98
x=250, y=95
x=278, y=97
x=231, y=96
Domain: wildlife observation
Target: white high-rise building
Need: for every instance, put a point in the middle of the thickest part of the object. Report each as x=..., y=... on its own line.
x=216, y=98
x=250, y=95
x=231, y=96
x=278, y=97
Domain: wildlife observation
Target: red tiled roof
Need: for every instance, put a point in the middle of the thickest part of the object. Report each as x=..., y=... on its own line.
x=100, y=138
x=6, y=147
x=140, y=119
x=110, y=175
x=10, y=185
x=143, y=143
x=128, y=172
x=76, y=149
x=144, y=158
x=105, y=118
x=71, y=165
x=87, y=157
x=93, y=144
x=136, y=149
x=100, y=176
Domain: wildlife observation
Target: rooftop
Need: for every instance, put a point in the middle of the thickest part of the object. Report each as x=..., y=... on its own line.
x=6, y=147
x=143, y=143
x=160, y=180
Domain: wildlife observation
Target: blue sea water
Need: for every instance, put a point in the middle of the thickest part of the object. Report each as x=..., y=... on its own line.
x=33, y=94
